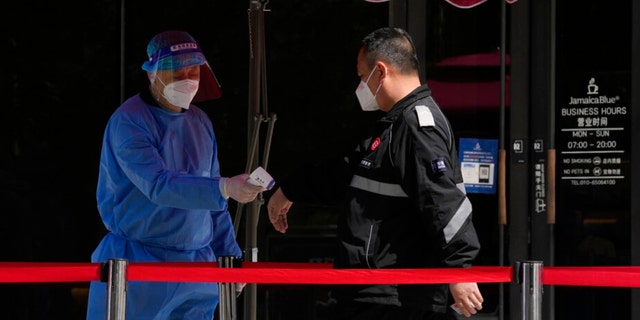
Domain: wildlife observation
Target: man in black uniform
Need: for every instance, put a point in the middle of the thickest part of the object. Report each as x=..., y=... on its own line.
x=405, y=201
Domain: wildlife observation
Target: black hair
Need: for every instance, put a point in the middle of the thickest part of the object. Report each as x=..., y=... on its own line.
x=392, y=45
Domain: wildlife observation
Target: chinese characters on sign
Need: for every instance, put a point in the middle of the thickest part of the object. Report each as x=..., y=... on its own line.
x=478, y=164
x=593, y=135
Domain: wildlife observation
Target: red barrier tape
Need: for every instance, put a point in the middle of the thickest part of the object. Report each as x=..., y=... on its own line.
x=311, y=273
x=15, y=272
x=324, y=274
x=250, y=272
x=628, y=277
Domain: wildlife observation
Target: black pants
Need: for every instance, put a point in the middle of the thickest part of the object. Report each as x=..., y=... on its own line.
x=367, y=311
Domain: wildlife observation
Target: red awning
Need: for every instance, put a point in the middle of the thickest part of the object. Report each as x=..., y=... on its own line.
x=469, y=92
x=466, y=4
x=469, y=95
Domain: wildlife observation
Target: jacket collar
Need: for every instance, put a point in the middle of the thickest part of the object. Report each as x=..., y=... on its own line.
x=419, y=93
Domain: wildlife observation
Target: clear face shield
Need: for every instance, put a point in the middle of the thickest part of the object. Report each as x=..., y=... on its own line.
x=183, y=73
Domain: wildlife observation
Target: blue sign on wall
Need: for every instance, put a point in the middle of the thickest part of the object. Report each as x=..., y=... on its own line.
x=478, y=162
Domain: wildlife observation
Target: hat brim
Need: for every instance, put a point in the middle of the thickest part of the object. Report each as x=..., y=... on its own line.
x=174, y=61
x=209, y=87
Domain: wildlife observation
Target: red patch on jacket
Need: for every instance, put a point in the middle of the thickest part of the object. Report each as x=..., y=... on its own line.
x=375, y=144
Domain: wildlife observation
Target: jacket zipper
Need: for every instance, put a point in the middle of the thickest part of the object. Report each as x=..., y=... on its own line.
x=368, y=246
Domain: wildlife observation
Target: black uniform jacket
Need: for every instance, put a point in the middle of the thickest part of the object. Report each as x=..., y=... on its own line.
x=405, y=203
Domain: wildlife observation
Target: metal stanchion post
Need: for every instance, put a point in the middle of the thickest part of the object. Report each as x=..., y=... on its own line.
x=532, y=290
x=227, y=292
x=114, y=273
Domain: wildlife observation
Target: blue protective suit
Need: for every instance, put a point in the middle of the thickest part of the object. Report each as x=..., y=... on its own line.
x=158, y=197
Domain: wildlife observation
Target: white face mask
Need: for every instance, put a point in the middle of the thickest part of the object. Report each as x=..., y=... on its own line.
x=366, y=98
x=181, y=93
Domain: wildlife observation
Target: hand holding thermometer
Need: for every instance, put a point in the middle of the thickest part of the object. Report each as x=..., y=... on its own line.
x=260, y=177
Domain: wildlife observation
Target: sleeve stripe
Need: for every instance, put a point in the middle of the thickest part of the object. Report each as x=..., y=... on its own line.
x=458, y=220
x=382, y=188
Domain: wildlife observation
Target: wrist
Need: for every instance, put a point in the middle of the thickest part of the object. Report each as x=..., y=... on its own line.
x=222, y=185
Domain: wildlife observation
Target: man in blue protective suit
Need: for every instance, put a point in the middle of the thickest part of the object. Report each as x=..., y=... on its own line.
x=160, y=193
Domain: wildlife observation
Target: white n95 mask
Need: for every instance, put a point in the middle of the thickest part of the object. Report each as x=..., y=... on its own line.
x=181, y=93
x=366, y=98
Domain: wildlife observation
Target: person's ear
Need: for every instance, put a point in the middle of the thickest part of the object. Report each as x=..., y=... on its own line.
x=383, y=69
x=151, y=76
